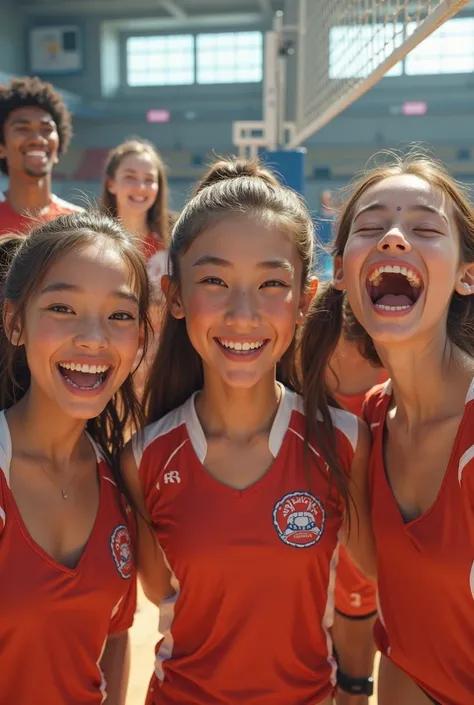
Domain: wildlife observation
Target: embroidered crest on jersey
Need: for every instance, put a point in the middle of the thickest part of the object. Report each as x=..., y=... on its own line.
x=120, y=545
x=299, y=519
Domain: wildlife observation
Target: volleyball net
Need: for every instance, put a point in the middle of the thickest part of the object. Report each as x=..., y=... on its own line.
x=344, y=47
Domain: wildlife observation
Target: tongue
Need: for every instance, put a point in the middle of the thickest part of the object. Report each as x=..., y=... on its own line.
x=394, y=300
x=83, y=379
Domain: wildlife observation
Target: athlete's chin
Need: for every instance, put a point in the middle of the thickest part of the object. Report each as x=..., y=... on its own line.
x=38, y=173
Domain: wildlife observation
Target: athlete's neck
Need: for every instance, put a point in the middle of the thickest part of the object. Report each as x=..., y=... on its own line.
x=348, y=372
x=28, y=194
x=237, y=414
x=135, y=223
x=46, y=431
x=430, y=379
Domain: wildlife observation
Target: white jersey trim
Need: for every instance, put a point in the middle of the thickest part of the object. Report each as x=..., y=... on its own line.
x=5, y=447
x=166, y=619
x=345, y=422
x=147, y=435
x=328, y=617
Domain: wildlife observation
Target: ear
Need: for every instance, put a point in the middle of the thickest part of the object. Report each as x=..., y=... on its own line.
x=465, y=282
x=338, y=274
x=13, y=329
x=111, y=186
x=3, y=151
x=305, y=299
x=172, y=295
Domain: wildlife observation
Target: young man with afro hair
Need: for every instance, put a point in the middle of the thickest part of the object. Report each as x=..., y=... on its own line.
x=35, y=129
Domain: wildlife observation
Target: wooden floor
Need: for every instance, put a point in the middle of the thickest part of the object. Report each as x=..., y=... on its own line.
x=143, y=638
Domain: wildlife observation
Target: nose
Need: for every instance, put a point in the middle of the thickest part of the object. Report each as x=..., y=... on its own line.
x=242, y=311
x=92, y=336
x=394, y=240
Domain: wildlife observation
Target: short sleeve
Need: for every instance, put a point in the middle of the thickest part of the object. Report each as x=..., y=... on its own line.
x=124, y=611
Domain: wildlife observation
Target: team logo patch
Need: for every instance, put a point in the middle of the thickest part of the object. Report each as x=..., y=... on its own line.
x=121, y=547
x=299, y=519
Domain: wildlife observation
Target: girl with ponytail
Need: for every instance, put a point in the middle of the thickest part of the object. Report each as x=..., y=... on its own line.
x=241, y=495
x=404, y=264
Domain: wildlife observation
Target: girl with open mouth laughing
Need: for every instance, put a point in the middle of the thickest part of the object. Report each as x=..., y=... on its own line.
x=404, y=251
x=75, y=301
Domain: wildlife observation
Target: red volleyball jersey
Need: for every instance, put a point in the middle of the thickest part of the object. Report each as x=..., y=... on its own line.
x=21, y=223
x=425, y=568
x=55, y=620
x=253, y=569
x=356, y=595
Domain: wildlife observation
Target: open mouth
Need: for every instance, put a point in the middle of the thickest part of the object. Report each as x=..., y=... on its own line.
x=84, y=377
x=244, y=348
x=37, y=155
x=138, y=200
x=394, y=287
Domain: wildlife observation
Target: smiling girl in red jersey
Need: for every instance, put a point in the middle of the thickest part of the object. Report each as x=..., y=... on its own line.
x=246, y=514
x=135, y=189
x=405, y=258
x=76, y=295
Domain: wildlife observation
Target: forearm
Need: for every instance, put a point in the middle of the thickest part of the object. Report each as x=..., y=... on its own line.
x=115, y=665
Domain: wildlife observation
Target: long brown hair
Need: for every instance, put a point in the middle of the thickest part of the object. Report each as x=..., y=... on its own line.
x=158, y=216
x=231, y=187
x=44, y=246
x=330, y=310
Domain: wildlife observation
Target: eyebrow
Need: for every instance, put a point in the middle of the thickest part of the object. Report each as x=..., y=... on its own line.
x=25, y=121
x=377, y=207
x=277, y=263
x=65, y=286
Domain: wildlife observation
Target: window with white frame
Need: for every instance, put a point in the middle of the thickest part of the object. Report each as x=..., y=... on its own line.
x=229, y=57
x=355, y=51
x=160, y=60
x=450, y=49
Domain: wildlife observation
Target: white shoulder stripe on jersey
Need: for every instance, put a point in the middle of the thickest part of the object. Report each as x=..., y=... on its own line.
x=142, y=439
x=470, y=393
x=345, y=422
x=466, y=457
x=5, y=447
x=289, y=402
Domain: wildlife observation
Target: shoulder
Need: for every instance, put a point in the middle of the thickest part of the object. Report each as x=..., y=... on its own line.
x=346, y=425
x=64, y=207
x=159, y=437
x=375, y=402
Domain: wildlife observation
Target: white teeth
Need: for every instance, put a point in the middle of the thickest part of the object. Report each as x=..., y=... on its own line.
x=36, y=153
x=241, y=347
x=73, y=384
x=392, y=308
x=78, y=367
x=376, y=276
